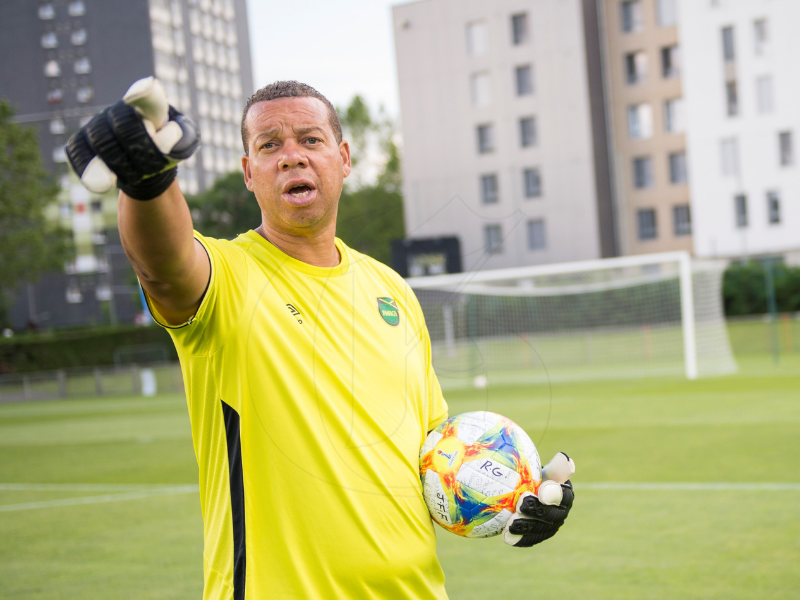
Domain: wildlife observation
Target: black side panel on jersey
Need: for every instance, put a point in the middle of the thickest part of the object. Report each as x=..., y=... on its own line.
x=237, y=498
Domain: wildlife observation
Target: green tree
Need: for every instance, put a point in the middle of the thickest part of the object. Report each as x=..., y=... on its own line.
x=29, y=243
x=226, y=209
x=371, y=214
x=745, y=290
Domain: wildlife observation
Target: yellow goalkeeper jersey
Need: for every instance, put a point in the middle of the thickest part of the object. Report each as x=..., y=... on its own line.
x=310, y=392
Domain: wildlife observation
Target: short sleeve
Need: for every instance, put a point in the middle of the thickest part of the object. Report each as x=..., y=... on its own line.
x=222, y=303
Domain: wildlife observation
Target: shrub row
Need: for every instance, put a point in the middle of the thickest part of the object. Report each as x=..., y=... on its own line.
x=66, y=349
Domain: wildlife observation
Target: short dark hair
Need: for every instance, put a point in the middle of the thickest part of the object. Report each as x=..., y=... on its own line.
x=289, y=89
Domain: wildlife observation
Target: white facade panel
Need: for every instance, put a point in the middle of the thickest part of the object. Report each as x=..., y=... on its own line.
x=457, y=70
x=739, y=155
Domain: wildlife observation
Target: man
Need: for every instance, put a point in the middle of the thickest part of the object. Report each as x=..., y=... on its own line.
x=308, y=406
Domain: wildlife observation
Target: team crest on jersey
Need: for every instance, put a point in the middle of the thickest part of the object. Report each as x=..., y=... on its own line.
x=388, y=310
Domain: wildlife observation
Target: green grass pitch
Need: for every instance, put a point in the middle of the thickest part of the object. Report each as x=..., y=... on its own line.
x=77, y=539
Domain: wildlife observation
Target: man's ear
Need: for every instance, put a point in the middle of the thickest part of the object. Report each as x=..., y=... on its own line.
x=344, y=150
x=248, y=178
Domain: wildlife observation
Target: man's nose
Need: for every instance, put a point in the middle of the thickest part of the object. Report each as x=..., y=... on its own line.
x=292, y=156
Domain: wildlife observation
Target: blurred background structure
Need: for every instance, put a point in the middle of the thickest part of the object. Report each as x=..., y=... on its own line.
x=548, y=131
x=62, y=62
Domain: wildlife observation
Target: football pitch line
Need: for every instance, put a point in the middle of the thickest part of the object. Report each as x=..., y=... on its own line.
x=122, y=492
x=671, y=486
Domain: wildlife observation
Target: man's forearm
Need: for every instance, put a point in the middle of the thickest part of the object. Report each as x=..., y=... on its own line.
x=158, y=239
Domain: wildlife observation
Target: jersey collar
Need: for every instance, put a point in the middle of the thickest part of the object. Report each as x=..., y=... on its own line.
x=298, y=265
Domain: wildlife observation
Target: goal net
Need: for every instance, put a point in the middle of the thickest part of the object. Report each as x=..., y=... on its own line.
x=637, y=316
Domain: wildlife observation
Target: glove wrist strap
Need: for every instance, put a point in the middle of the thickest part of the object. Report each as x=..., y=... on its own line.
x=151, y=187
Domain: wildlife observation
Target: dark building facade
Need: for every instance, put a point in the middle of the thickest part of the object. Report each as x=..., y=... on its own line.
x=63, y=61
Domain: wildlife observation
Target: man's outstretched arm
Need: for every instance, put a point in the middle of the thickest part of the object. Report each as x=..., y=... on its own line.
x=137, y=144
x=158, y=238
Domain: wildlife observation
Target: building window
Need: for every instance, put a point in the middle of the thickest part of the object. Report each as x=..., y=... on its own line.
x=47, y=12
x=670, y=61
x=682, y=220
x=477, y=38
x=532, y=181
x=78, y=37
x=527, y=132
x=646, y=220
x=57, y=126
x=524, y=80
x=55, y=96
x=764, y=94
x=493, y=236
x=59, y=154
x=485, y=139
x=49, y=40
x=97, y=206
x=74, y=295
x=730, y=156
x=785, y=142
x=678, y=174
x=82, y=66
x=632, y=17
x=761, y=36
x=635, y=67
x=51, y=68
x=84, y=94
x=732, y=98
x=640, y=121
x=740, y=205
x=519, y=29
x=673, y=115
x=643, y=173
x=728, y=46
x=667, y=13
x=489, y=193
x=773, y=208
x=480, y=89
x=76, y=9
x=536, y=235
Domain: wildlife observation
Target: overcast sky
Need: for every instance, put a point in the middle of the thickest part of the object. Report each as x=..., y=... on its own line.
x=340, y=47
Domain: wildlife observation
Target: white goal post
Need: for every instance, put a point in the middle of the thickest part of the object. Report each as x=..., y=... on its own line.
x=633, y=316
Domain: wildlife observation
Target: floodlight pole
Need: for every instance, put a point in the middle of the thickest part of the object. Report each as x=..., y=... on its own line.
x=687, y=316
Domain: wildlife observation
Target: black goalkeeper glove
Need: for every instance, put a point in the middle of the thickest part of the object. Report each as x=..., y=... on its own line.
x=538, y=518
x=135, y=144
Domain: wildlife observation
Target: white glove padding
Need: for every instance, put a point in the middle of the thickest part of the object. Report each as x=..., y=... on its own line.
x=539, y=517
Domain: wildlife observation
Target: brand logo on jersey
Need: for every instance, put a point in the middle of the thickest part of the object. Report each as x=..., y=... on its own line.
x=295, y=312
x=387, y=308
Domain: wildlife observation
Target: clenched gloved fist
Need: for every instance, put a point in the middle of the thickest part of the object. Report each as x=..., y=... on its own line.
x=539, y=517
x=135, y=144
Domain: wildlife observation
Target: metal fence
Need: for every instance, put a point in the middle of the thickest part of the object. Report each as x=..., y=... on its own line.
x=145, y=379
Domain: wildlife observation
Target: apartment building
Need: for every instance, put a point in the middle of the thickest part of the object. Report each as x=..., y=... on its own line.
x=504, y=129
x=743, y=94
x=646, y=112
x=65, y=60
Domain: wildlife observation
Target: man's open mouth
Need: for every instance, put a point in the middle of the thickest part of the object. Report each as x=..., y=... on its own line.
x=300, y=191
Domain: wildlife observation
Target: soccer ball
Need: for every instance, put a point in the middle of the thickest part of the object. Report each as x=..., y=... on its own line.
x=474, y=467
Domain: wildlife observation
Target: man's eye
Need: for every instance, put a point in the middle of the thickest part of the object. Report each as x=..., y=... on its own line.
x=268, y=145
x=313, y=140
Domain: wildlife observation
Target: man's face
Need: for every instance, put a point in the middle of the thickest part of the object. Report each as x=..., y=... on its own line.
x=295, y=166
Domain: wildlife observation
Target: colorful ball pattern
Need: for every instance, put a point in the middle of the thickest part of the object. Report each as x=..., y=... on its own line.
x=474, y=467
